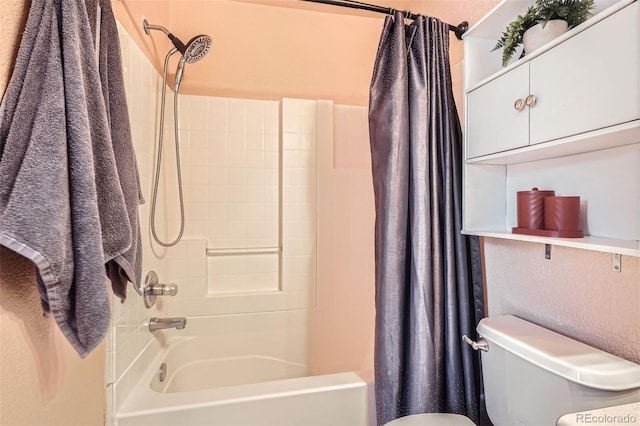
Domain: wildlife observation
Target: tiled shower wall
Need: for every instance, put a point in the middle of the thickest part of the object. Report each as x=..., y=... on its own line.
x=230, y=157
x=251, y=199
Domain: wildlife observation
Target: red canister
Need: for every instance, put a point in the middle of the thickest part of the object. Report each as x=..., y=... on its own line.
x=530, y=205
x=562, y=213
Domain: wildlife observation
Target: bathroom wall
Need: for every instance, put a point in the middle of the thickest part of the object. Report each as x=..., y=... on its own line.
x=342, y=324
x=42, y=379
x=575, y=293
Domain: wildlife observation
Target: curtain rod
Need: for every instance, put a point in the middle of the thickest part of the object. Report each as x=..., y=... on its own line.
x=459, y=29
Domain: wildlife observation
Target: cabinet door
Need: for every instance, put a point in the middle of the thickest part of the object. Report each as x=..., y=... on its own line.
x=493, y=123
x=590, y=81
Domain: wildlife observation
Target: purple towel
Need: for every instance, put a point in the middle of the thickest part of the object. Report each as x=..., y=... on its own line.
x=62, y=203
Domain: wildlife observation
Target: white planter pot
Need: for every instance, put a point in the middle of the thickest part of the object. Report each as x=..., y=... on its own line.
x=537, y=36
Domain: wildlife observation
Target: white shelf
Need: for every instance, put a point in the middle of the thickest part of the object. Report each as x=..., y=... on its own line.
x=625, y=134
x=607, y=245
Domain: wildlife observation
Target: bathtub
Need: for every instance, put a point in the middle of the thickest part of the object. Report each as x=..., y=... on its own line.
x=256, y=375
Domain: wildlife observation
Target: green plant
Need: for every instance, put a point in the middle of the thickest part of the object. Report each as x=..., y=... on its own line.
x=574, y=12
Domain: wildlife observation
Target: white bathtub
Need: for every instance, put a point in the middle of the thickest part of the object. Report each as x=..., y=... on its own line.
x=255, y=375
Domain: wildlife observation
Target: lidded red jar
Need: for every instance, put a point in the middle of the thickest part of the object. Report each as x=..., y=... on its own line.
x=530, y=207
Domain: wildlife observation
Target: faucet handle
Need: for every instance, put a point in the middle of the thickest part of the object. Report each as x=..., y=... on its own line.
x=158, y=289
x=153, y=288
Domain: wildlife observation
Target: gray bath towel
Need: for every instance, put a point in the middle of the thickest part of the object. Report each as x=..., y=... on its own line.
x=128, y=266
x=61, y=198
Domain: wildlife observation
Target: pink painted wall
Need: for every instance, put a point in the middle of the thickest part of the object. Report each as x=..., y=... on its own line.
x=262, y=51
x=575, y=293
x=342, y=324
x=265, y=52
x=42, y=379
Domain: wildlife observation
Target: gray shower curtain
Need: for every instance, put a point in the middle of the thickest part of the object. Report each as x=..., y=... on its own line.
x=425, y=267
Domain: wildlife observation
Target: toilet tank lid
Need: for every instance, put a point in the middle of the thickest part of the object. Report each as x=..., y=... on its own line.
x=561, y=355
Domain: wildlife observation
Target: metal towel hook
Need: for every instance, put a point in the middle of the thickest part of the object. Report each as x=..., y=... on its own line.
x=480, y=345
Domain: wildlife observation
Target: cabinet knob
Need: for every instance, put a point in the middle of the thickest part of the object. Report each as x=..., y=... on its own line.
x=519, y=105
x=530, y=100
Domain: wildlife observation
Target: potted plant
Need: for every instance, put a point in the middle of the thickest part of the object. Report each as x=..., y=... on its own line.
x=543, y=21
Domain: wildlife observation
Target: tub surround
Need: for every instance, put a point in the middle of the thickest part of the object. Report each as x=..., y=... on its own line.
x=250, y=174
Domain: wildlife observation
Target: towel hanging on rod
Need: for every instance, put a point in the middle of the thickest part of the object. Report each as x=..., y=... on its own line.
x=69, y=187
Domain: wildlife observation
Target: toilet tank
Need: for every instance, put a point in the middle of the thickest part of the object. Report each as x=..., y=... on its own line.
x=532, y=375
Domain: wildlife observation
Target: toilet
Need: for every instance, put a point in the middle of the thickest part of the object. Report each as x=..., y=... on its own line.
x=533, y=376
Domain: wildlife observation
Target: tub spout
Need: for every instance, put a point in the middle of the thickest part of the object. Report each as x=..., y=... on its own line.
x=162, y=323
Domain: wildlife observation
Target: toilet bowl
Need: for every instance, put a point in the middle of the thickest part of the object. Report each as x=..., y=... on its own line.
x=532, y=376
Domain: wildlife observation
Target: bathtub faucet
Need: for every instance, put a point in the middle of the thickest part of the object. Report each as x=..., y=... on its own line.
x=162, y=323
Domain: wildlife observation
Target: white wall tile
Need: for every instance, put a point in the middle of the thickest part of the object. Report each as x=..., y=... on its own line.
x=254, y=159
x=271, y=177
x=237, y=194
x=272, y=142
x=254, y=116
x=236, y=158
x=291, y=141
x=198, y=117
x=217, y=115
x=218, y=156
x=272, y=118
x=236, y=116
x=136, y=99
x=255, y=141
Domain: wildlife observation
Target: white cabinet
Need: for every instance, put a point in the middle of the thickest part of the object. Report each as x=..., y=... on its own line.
x=590, y=81
x=493, y=123
x=581, y=136
x=586, y=82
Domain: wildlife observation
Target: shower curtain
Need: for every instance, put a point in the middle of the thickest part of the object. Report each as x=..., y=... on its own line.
x=425, y=267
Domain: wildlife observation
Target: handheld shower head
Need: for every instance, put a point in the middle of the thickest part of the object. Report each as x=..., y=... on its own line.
x=195, y=50
x=192, y=52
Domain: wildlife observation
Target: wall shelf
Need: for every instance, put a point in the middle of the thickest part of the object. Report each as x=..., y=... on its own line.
x=610, y=137
x=606, y=245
